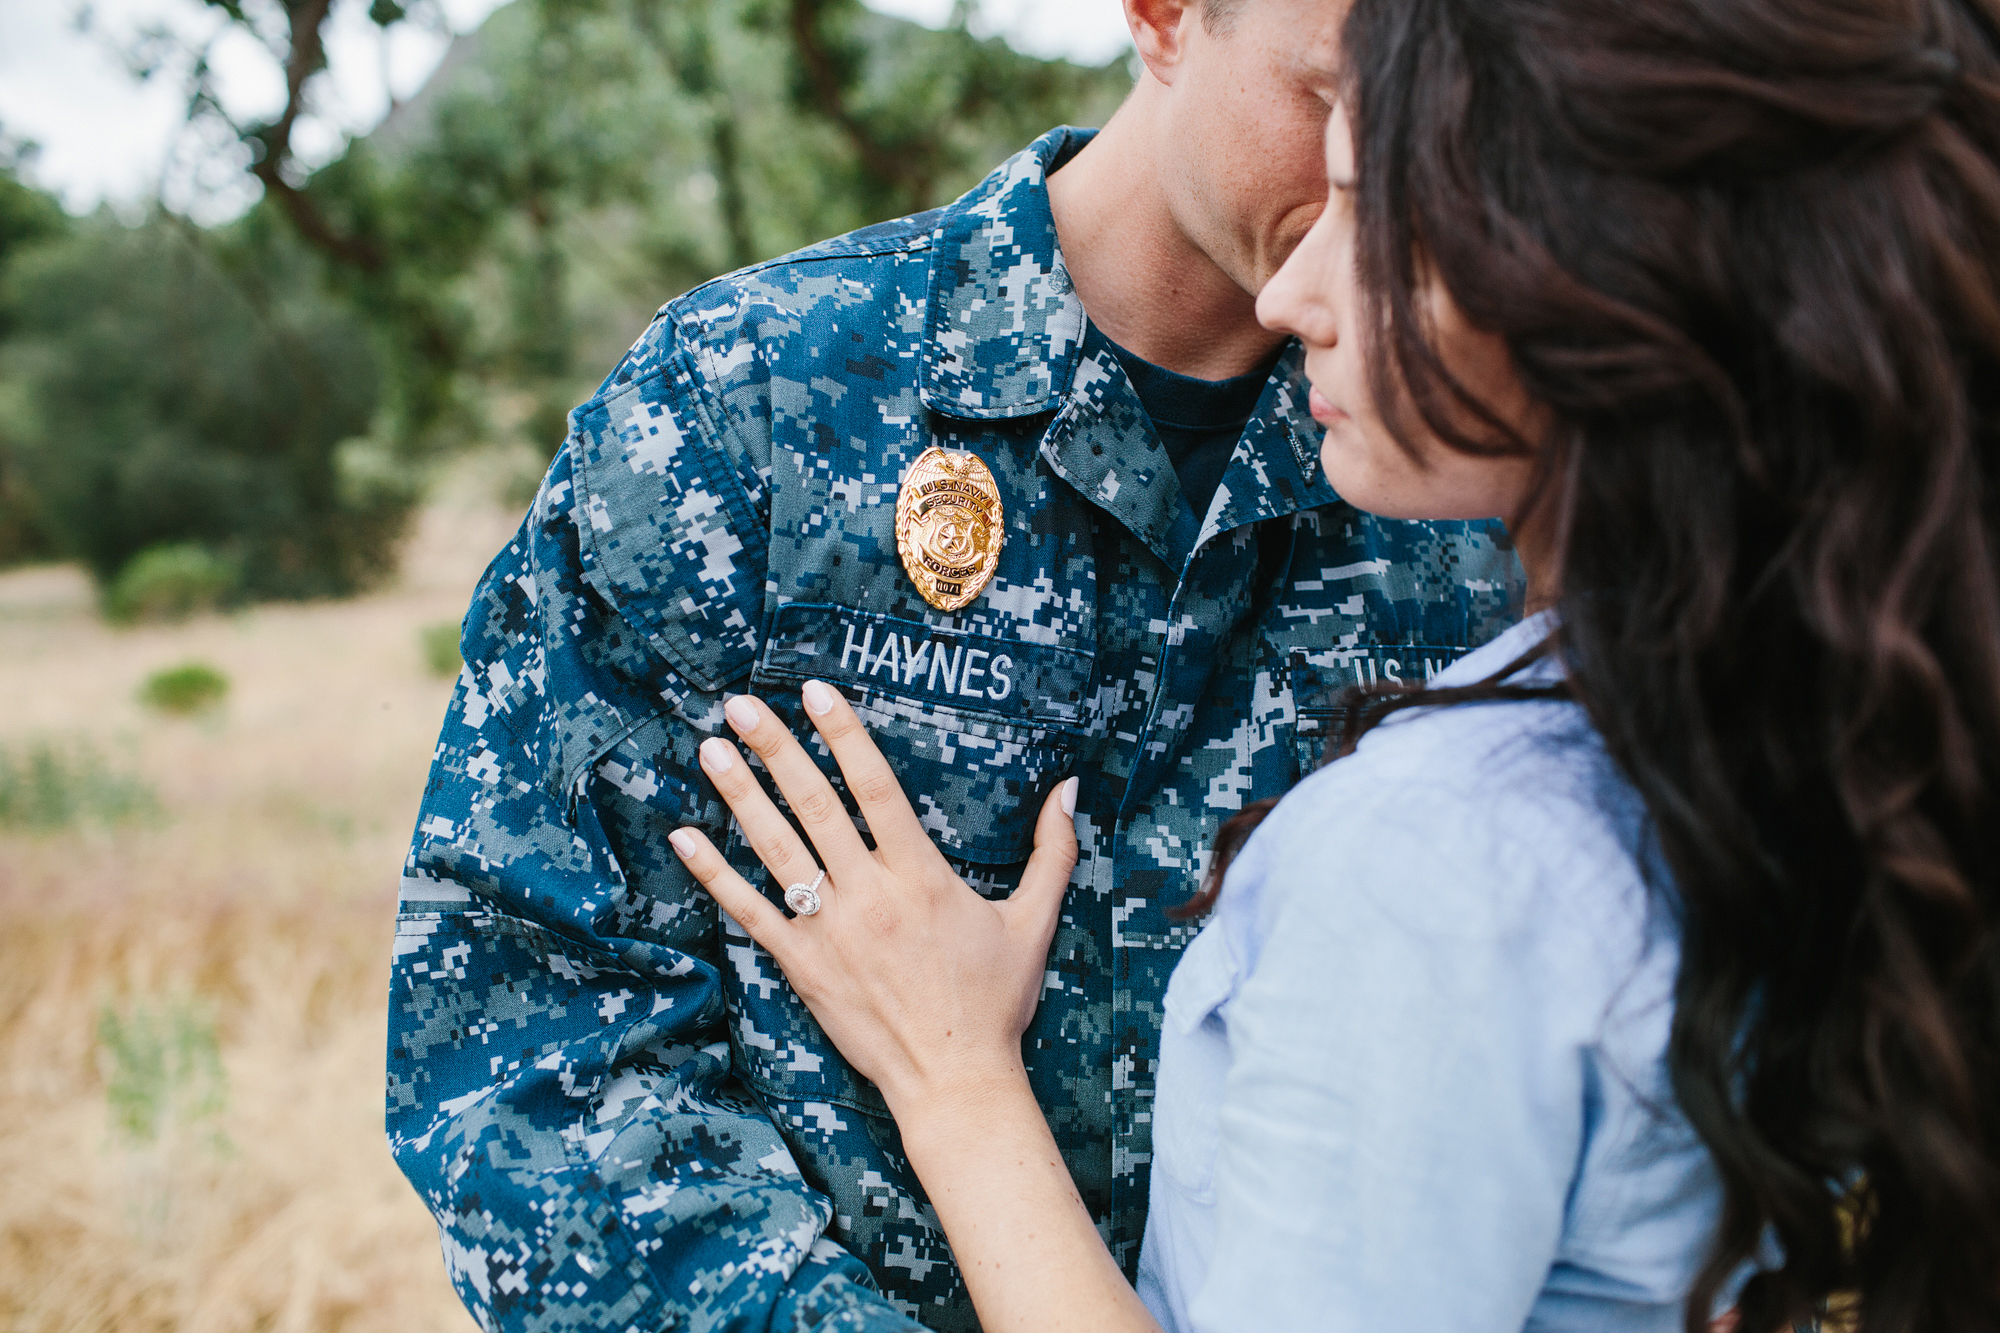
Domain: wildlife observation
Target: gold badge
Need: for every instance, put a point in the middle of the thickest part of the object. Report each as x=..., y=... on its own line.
x=949, y=526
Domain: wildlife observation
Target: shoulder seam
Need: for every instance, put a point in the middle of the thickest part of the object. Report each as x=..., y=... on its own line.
x=683, y=318
x=908, y=245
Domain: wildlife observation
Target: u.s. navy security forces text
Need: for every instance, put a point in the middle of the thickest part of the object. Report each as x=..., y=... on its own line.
x=619, y=1113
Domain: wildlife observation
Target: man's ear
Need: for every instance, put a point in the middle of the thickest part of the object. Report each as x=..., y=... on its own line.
x=1160, y=29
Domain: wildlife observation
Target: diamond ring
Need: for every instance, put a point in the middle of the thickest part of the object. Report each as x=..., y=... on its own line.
x=803, y=898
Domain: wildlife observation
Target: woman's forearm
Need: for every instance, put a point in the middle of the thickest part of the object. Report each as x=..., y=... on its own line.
x=1025, y=1244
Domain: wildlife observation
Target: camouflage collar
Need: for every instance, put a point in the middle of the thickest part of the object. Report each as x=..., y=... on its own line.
x=1102, y=445
x=1289, y=410
x=1004, y=328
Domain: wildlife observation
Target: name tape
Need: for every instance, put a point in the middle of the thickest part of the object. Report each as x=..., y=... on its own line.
x=964, y=671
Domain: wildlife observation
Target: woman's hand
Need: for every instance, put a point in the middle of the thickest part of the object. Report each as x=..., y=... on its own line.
x=924, y=985
x=926, y=988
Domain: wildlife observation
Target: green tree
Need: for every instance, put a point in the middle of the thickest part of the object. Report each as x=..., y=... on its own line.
x=550, y=133
x=265, y=391
x=182, y=387
x=653, y=143
x=918, y=110
x=28, y=217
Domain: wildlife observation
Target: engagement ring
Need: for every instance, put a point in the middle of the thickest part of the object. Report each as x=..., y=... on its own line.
x=803, y=898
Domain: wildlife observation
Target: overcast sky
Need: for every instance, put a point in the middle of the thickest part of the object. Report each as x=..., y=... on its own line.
x=105, y=136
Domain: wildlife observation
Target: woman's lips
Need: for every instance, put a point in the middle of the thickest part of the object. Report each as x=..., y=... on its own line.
x=1323, y=412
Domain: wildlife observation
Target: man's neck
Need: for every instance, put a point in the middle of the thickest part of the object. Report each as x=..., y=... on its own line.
x=1143, y=282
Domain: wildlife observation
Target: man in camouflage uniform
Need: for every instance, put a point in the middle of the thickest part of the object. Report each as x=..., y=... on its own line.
x=619, y=1113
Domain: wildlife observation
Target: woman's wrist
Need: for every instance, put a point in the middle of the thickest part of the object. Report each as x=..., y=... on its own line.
x=1026, y=1245
x=963, y=1139
x=961, y=1094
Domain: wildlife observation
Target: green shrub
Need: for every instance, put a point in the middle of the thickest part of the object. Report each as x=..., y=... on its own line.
x=191, y=687
x=162, y=1066
x=440, y=647
x=50, y=787
x=170, y=583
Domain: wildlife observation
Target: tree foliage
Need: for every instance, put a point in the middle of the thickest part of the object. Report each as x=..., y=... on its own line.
x=198, y=388
x=268, y=390
x=28, y=217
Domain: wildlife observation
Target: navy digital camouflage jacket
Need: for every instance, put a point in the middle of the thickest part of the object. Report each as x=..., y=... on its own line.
x=619, y=1113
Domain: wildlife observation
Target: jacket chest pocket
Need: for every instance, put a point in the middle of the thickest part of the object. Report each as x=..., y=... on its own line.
x=978, y=728
x=1320, y=680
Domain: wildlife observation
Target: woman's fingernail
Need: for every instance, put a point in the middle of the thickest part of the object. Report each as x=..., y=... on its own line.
x=684, y=841
x=819, y=698
x=717, y=755
x=742, y=714
x=1069, y=797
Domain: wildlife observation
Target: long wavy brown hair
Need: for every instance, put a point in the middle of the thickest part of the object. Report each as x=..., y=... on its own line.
x=1746, y=252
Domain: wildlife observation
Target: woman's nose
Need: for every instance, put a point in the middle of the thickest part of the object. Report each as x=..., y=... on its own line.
x=1293, y=300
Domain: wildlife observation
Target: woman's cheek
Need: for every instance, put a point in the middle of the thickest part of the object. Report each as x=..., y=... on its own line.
x=1355, y=466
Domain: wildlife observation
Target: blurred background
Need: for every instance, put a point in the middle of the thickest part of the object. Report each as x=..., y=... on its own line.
x=294, y=297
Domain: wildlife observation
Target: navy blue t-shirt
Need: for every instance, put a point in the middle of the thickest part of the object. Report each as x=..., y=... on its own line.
x=1199, y=421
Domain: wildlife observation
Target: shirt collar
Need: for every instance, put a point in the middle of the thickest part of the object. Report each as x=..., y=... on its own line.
x=1003, y=327
x=1101, y=444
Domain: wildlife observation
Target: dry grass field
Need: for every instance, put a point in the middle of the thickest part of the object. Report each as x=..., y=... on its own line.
x=193, y=993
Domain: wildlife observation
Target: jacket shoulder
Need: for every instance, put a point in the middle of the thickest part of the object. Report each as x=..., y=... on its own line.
x=880, y=269
x=673, y=452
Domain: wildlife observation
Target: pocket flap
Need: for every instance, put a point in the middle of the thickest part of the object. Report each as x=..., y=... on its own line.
x=868, y=654
x=979, y=729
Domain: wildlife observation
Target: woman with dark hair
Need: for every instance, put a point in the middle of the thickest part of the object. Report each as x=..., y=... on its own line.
x=1644, y=966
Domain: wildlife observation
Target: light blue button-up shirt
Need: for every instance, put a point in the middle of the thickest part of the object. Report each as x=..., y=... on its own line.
x=1413, y=1072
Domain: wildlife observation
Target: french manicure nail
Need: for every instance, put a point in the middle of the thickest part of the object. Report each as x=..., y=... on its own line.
x=684, y=841
x=1069, y=797
x=717, y=755
x=819, y=698
x=742, y=714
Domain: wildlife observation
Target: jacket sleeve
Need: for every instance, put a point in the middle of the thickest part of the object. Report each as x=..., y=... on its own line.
x=560, y=1087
